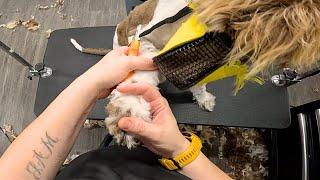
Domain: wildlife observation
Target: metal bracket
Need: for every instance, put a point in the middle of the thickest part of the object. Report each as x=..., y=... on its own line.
x=40, y=70
x=287, y=78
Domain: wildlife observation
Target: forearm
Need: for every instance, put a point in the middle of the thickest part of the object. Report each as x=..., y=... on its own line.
x=202, y=168
x=41, y=148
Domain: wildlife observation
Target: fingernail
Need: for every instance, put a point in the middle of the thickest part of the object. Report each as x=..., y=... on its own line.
x=125, y=123
x=121, y=86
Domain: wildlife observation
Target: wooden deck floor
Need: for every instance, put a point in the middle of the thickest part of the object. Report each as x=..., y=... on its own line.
x=17, y=93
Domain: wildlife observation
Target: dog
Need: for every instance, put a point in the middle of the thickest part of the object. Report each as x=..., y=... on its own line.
x=266, y=34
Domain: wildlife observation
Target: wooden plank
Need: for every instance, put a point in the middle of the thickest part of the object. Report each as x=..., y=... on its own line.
x=4, y=143
x=17, y=93
x=305, y=92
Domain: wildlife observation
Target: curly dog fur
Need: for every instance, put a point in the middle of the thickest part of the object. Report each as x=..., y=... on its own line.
x=267, y=32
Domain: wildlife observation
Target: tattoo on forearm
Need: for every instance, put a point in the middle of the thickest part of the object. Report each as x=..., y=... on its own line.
x=36, y=166
x=49, y=142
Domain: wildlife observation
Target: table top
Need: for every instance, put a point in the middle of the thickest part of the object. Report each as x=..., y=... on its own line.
x=130, y=4
x=254, y=106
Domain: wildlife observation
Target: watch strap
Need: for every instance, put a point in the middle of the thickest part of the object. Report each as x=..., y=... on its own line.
x=186, y=157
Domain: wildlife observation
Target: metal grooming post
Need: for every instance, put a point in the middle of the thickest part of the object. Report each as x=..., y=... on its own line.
x=304, y=147
x=39, y=70
x=290, y=77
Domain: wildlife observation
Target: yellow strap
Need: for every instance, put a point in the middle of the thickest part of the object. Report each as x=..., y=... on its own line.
x=189, y=30
x=185, y=157
x=236, y=69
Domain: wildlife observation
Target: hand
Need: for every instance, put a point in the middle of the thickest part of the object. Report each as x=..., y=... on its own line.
x=114, y=68
x=161, y=135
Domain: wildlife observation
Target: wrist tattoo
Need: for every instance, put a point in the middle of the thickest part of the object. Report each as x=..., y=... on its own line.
x=37, y=165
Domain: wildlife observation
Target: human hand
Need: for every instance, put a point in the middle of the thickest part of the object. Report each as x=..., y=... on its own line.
x=161, y=135
x=114, y=68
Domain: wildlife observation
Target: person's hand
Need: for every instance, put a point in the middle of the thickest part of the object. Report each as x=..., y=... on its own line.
x=114, y=68
x=161, y=135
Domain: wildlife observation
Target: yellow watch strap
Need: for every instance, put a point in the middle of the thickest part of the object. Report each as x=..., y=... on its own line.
x=186, y=157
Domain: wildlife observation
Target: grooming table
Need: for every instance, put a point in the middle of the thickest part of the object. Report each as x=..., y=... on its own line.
x=130, y=4
x=254, y=106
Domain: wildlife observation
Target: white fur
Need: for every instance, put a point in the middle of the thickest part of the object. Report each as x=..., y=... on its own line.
x=126, y=105
x=115, y=39
x=203, y=97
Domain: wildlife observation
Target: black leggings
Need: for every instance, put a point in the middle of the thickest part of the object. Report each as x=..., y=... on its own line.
x=117, y=162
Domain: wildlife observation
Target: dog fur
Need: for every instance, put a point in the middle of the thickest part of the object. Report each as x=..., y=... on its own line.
x=268, y=33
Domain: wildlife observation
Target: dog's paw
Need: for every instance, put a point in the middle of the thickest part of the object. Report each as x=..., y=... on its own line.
x=206, y=101
x=130, y=141
x=113, y=129
x=120, y=136
x=123, y=105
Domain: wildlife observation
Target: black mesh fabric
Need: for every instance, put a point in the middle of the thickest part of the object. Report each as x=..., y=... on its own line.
x=189, y=63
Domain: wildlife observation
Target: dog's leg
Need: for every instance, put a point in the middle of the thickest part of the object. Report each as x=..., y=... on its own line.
x=203, y=97
x=124, y=105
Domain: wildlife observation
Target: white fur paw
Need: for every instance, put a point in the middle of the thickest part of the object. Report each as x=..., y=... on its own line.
x=120, y=136
x=130, y=141
x=124, y=105
x=206, y=101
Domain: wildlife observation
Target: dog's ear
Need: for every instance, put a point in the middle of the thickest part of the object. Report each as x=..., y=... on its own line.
x=141, y=14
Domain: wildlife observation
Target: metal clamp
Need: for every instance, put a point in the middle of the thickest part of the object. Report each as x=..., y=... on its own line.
x=287, y=78
x=40, y=70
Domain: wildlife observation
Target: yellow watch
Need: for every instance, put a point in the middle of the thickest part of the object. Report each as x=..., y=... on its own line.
x=186, y=157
